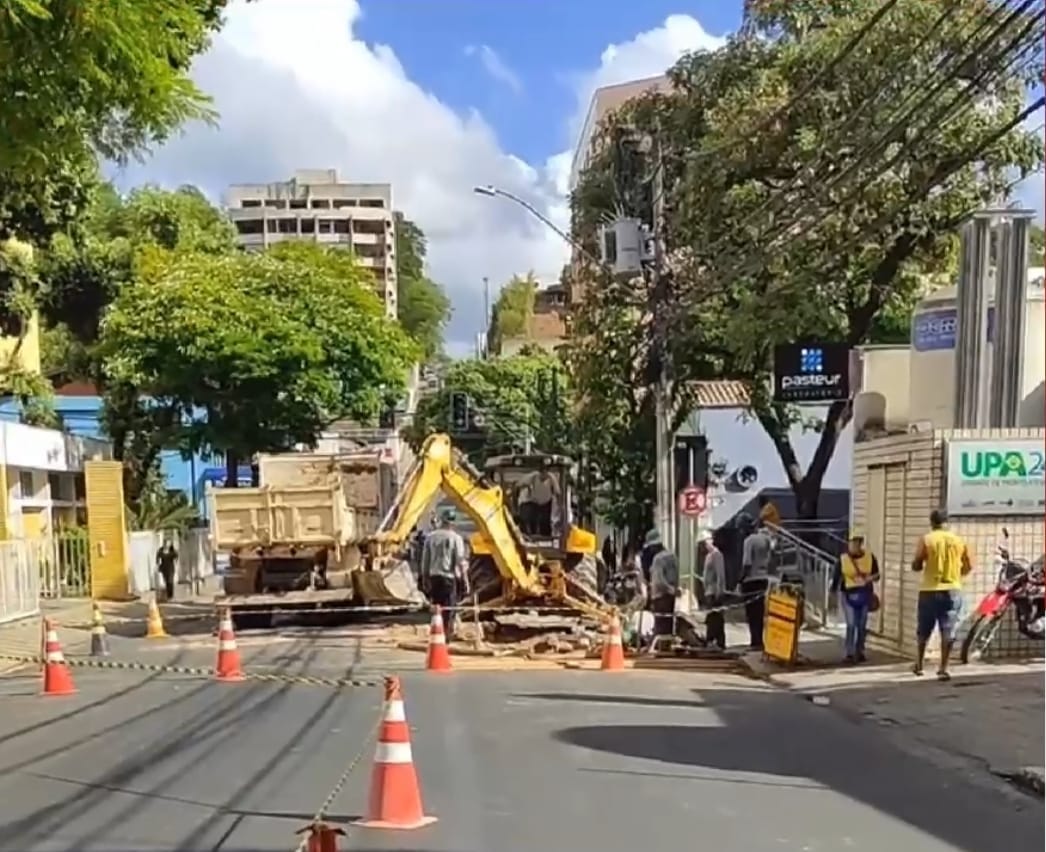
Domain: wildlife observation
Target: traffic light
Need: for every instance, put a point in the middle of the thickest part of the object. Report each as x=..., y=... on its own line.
x=459, y=411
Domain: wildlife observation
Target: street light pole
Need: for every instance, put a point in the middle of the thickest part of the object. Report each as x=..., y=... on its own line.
x=664, y=508
x=491, y=191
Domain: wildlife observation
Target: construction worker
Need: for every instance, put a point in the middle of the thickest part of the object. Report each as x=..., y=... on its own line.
x=768, y=513
x=444, y=562
x=541, y=490
x=859, y=570
x=943, y=559
x=757, y=553
x=713, y=580
x=664, y=587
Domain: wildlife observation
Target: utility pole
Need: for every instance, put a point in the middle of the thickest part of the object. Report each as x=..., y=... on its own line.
x=486, y=317
x=660, y=291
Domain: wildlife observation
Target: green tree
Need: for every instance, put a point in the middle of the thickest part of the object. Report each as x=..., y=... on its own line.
x=528, y=392
x=1035, y=246
x=423, y=307
x=512, y=310
x=271, y=347
x=83, y=273
x=804, y=197
x=109, y=77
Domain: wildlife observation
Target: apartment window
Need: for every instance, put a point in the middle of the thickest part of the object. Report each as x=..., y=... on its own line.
x=271, y=225
x=79, y=487
x=308, y=226
x=321, y=204
x=341, y=226
x=369, y=250
x=54, y=482
x=276, y=203
x=249, y=226
x=26, y=486
x=342, y=203
x=369, y=226
x=251, y=202
x=287, y=226
x=326, y=226
x=373, y=202
x=298, y=204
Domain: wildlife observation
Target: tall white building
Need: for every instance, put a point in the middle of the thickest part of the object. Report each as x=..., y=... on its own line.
x=315, y=205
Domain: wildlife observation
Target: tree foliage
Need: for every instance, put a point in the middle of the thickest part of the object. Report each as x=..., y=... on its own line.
x=113, y=77
x=529, y=391
x=512, y=310
x=270, y=347
x=423, y=307
x=804, y=197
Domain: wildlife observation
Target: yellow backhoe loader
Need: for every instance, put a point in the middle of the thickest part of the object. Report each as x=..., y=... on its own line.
x=525, y=551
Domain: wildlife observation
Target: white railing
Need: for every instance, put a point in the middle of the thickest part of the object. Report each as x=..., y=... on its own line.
x=63, y=563
x=816, y=567
x=19, y=580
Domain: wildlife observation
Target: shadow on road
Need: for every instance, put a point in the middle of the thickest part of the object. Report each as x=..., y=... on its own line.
x=780, y=735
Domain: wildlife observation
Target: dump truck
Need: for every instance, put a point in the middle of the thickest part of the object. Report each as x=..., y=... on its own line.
x=294, y=542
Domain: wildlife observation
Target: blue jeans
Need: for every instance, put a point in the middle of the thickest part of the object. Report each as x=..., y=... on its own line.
x=856, y=625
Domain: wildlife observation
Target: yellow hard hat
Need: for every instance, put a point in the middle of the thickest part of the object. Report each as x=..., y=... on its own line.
x=855, y=535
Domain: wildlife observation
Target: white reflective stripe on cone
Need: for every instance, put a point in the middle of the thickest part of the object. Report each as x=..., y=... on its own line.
x=227, y=645
x=225, y=627
x=52, y=636
x=393, y=753
x=55, y=657
x=395, y=711
x=437, y=639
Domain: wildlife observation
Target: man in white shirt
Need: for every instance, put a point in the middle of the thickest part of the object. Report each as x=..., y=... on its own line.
x=714, y=582
x=541, y=490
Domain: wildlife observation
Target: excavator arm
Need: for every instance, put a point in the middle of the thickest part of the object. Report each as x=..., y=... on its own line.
x=439, y=468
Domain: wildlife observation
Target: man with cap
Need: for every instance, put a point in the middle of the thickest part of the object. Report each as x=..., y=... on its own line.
x=858, y=572
x=444, y=561
x=713, y=579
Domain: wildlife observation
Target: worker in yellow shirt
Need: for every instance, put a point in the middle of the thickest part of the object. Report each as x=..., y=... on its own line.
x=944, y=560
x=859, y=571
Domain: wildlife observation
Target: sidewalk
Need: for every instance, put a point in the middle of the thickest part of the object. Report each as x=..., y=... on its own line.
x=988, y=718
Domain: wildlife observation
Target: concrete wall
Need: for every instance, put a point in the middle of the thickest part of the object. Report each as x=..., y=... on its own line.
x=897, y=482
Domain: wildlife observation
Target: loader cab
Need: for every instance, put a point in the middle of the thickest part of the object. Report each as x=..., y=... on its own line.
x=538, y=491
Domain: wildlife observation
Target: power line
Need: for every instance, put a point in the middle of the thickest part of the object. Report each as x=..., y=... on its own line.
x=883, y=141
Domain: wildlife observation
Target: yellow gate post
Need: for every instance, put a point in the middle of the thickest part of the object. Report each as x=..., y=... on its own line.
x=106, y=529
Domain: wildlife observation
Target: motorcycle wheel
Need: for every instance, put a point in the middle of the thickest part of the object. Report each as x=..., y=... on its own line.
x=979, y=636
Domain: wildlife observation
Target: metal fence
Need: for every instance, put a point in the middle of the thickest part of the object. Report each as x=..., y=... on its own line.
x=19, y=580
x=64, y=563
x=816, y=568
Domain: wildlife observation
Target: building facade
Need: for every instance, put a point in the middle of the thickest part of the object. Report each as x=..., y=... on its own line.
x=42, y=479
x=316, y=205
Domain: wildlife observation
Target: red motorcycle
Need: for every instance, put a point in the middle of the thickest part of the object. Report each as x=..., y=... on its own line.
x=1019, y=585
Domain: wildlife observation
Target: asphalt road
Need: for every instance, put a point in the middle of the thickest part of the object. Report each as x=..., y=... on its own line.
x=510, y=762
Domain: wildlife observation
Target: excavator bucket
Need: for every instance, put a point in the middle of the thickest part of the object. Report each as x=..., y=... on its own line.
x=392, y=584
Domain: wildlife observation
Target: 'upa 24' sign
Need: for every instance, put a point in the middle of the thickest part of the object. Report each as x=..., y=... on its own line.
x=993, y=477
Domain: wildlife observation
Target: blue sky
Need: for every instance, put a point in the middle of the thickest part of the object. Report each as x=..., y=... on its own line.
x=544, y=44
x=434, y=97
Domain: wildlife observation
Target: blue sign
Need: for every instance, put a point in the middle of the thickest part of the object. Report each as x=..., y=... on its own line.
x=216, y=476
x=933, y=331
x=811, y=360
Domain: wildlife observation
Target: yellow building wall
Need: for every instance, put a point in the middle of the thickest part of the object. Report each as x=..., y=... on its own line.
x=107, y=529
x=26, y=348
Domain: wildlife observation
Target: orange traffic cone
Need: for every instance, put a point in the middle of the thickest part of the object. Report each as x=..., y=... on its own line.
x=154, y=626
x=57, y=678
x=228, y=666
x=613, y=651
x=438, y=659
x=395, y=797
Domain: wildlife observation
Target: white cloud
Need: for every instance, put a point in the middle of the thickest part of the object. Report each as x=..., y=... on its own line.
x=295, y=89
x=495, y=66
